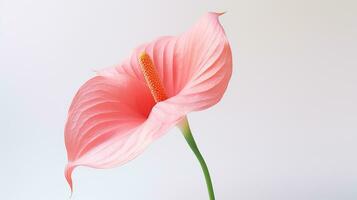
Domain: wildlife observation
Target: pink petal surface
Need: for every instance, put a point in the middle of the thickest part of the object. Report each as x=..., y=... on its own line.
x=194, y=67
x=113, y=117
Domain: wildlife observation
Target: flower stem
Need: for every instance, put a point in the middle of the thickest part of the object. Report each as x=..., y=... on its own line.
x=186, y=131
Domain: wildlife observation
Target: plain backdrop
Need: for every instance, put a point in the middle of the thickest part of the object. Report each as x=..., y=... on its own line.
x=286, y=128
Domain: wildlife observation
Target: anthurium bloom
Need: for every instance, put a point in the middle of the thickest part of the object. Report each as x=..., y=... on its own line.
x=119, y=112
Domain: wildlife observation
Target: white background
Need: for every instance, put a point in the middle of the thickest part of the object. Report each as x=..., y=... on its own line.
x=285, y=130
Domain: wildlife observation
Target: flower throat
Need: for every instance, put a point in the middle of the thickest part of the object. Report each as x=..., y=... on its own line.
x=152, y=78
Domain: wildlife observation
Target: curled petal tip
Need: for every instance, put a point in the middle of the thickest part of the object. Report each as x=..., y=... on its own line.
x=221, y=13
x=68, y=174
x=218, y=13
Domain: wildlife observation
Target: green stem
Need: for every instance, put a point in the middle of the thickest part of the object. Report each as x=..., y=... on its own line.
x=186, y=131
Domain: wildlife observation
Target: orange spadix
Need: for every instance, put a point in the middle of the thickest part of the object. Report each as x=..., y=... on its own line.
x=152, y=77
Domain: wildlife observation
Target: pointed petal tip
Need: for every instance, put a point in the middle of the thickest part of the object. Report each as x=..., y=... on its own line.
x=221, y=13
x=68, y=174
x=218, y=13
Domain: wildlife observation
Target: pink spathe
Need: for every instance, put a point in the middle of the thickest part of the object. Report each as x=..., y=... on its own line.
x=113, y=117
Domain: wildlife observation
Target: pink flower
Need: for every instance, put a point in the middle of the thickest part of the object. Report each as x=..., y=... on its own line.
x=118, y=113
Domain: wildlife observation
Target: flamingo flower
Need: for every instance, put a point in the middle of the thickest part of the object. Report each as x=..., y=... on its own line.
x=116, y=114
